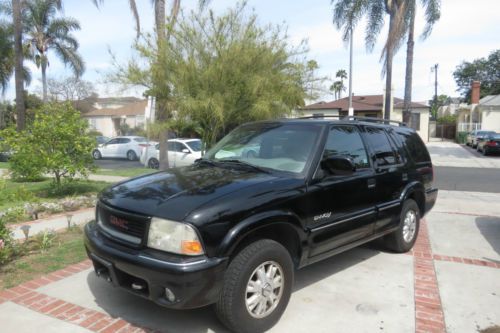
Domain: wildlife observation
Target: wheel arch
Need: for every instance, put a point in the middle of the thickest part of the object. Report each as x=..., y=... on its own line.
x=282, y=227
x=416, y=192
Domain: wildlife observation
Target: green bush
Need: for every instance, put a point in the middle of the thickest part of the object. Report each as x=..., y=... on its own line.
x=56, y=143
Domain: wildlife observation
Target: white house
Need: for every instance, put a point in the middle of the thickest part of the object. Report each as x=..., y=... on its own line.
x=108, y=120
x=371, y=106
x=482, y=113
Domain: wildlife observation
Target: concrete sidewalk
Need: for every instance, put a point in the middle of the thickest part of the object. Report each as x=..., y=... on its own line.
x=449, y=282
x=447, y=153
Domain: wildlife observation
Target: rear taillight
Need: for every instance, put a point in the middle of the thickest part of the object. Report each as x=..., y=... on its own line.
x=491, y=143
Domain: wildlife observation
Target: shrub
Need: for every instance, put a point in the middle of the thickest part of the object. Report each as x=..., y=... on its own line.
x=56, y=143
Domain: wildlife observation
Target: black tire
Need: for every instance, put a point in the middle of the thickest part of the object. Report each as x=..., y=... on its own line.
x=131, y=155
x=96, y=154
x=396, y=241
x=153, y=163
x=231, y=309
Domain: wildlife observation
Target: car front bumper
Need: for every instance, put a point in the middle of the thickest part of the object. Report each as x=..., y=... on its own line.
x=195, y=282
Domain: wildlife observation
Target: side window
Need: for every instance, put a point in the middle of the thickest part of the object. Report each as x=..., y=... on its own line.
x=112, y=142
x=346, y=141
x=123, y=141
x=384, y=154
x=415, y=146
x=175, y=146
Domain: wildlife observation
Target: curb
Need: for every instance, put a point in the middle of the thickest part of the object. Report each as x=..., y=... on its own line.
x=17, y=225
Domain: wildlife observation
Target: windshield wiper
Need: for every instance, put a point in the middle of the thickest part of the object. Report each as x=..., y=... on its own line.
x=245, y=164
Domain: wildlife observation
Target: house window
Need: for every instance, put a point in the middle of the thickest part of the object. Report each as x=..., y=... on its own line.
x=415, y=121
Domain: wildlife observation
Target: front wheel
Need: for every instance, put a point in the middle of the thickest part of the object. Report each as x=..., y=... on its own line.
x=131, y=155
x=403, y=239
x=153, y=163
x=96, y=154
x=257, y=287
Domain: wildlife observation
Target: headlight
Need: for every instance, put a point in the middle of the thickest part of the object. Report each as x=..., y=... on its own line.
x=173, y=237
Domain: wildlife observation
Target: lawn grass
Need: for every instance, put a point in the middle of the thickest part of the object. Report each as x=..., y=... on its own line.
x=15, y=193
x=129, y=172
x=67, y=248
x=4, y=165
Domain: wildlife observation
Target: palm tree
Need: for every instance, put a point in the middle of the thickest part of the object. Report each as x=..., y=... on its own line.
x=337, y=88
x=18, y=64
x=342, y=75
x=432, y=15
x=347, y=13
x=46, y=32
x=7, y=58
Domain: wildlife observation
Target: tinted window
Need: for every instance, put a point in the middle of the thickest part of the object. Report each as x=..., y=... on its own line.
x=175, y=146
x=415, y=146
x=346, y=141
x=123, y=140
x=383, y=152
x=112, y=142
x=140, y=139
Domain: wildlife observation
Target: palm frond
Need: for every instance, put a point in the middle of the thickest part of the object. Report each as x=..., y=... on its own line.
x=432, y=15
x=70, y=57
x=135, y=13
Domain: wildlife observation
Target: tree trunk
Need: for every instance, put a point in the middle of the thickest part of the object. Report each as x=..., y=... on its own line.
x=388, y=71
x=44, y=78
x=19, y=75
x=409, y=68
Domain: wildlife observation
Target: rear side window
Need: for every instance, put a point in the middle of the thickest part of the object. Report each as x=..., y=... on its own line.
x=415, y=146
x=140, y=139
x=123, y=140
x=384, y=154
x=346, y=141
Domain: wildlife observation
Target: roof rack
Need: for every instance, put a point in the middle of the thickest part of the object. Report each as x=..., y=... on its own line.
x=367, y=119
x=375, y=120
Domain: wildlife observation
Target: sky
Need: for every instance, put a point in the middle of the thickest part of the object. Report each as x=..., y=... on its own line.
x=467, y=30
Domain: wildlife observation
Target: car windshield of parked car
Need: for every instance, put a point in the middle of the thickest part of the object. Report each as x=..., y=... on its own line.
x=271, y=146
x=195, y=145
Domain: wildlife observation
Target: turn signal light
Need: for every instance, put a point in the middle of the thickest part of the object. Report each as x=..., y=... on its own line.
x=191, y=247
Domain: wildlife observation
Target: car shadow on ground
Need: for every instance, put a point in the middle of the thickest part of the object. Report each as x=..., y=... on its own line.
x=121, y=304
x=489, y=226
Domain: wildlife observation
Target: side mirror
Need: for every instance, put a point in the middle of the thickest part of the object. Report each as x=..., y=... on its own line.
x=186, y=151
x=338, y=165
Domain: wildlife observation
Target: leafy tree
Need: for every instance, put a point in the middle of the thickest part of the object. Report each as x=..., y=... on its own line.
x=79, y=92
x=56, y=143
x=6, y=55
x=222, y=71
x=432, y=15
x=44, y=31
x=486, y=70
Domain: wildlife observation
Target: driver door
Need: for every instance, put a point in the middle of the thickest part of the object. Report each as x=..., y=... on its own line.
x=342, y=206
x=110, y=148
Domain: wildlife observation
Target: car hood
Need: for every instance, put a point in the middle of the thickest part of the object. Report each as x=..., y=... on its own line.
x=173, y=194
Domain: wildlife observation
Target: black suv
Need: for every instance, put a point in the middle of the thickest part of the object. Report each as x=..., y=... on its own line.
x=269, y=198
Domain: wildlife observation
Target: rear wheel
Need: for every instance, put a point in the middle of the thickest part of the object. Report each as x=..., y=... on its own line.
x=96, y=154
x=154, y=163
x=131, y=155
x=257, y=287
x=403, y=239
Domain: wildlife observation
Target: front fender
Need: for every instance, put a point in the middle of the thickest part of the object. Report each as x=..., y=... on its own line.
x=255, y=222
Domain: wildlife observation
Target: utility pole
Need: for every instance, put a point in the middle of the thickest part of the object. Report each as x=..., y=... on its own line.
x=435, y=70
x=351, y=110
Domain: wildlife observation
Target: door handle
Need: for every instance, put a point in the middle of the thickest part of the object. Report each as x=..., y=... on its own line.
x=372, y=183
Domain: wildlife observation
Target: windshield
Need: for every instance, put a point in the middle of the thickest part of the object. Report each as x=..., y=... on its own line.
x=195, y=145
x=276, y=146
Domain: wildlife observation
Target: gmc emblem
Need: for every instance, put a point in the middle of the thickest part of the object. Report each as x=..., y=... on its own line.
x=121, y=223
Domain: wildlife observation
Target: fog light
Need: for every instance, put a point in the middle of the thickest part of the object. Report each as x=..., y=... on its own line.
x=169, y=295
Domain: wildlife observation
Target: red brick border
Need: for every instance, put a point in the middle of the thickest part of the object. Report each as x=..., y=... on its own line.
x=467, y=261
x=429, y=315
x=26, y=295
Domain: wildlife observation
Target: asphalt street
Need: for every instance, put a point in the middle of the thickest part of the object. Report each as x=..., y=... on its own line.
x=467, y=179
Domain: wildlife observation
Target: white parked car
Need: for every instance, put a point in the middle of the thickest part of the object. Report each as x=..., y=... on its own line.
x=181, y=152
x=129, y=147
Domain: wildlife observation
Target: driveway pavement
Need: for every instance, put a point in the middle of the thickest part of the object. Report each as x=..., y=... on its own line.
x=449, y=282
